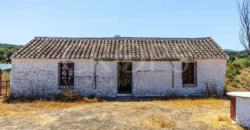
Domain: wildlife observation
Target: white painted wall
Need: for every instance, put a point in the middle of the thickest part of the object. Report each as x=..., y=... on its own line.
x=155, y=78
x=31, y=76
x=243, y=111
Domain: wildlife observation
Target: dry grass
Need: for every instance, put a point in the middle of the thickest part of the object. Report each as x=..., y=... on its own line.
x=158, y=122
x=43, y=104
x=4, y=91
x=16, y=110
x=189, y=103
x=6, y=76
x=31, y=108
x=223, y=118
x=225, y=121
x=89, y=113
x=90, y=100
x=53, y=104
x=242, y=82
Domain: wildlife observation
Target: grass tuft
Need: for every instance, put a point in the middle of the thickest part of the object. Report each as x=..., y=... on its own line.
x=89, y=100
x=223, y=118
x=223, y=121
x=158, y=122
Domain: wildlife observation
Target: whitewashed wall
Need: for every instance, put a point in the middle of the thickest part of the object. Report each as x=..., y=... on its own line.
x=40, y=76
x=242, y=111
x=30, y=77
x=155, y=78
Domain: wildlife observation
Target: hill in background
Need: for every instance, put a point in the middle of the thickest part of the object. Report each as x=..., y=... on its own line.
x=6, y=50
x=238, y=71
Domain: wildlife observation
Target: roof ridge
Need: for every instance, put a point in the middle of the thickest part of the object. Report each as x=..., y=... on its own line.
x=169, y=38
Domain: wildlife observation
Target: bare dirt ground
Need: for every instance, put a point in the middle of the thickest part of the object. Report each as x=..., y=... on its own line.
x=167, y=114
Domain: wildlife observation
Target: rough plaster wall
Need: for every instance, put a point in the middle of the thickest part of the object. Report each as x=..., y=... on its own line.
x=106, y=78
x=151, y=78
x=243, y=111
x=33, y=76
x=212, y=71
x=155, y=78
x=30, y=77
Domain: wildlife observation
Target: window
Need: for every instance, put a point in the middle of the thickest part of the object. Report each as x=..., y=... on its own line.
x=189, y=73
x=66, y=73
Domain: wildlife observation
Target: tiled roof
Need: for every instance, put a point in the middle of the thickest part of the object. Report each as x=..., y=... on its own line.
x=121, y=48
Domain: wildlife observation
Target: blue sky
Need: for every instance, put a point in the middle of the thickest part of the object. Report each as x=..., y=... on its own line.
x=21, y=20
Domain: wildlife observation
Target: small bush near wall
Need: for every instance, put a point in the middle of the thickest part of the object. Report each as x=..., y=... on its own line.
x=67, y=96
x=64, y=96
x=210, y=89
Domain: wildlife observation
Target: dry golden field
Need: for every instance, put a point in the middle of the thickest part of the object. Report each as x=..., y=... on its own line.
x=123, y=114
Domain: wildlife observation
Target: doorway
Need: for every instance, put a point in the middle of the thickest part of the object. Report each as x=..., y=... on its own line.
x=124, y=78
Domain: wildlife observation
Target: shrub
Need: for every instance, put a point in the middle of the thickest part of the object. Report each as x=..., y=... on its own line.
x=210, y=89
x=237, y=54
x=243, y=63
x=67, y=96
x=237, y=71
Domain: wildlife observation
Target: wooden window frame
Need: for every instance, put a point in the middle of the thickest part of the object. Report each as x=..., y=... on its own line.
x=188, y=81
x=66, y=81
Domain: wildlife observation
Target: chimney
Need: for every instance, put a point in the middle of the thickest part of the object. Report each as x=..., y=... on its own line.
x=117, y=36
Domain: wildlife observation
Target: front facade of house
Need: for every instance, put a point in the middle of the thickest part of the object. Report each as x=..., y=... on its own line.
x=118, y=66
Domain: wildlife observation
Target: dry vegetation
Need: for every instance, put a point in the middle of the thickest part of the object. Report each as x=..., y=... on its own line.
x=243, y=81
x=238, y=72
x=5, y=77
x=90, y=114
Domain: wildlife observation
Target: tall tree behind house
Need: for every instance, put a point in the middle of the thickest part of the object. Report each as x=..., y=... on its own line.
x=244, y=13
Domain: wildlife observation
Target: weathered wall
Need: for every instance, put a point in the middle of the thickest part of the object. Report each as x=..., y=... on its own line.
x=30, y=77
x=33, y=76
x=155, y=78
x=243, y=111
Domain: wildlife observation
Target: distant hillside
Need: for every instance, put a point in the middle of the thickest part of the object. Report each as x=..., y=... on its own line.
x=229, y=50
x=6, y=50
x=9, y=46
x=237, y=54
x=238, y=71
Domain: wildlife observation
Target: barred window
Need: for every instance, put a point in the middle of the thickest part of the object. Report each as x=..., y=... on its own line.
x=189, y=73
x=65, y=73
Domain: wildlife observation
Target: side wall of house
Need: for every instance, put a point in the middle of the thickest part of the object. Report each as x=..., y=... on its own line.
x=30, y=77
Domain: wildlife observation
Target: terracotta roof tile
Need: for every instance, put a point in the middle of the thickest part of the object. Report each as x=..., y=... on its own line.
x=122, y=48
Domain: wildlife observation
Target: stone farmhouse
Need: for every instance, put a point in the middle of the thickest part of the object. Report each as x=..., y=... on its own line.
x=118, y=66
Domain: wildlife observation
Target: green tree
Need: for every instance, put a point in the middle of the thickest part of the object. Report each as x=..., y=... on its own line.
x=6, y=51
x=3, y=55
